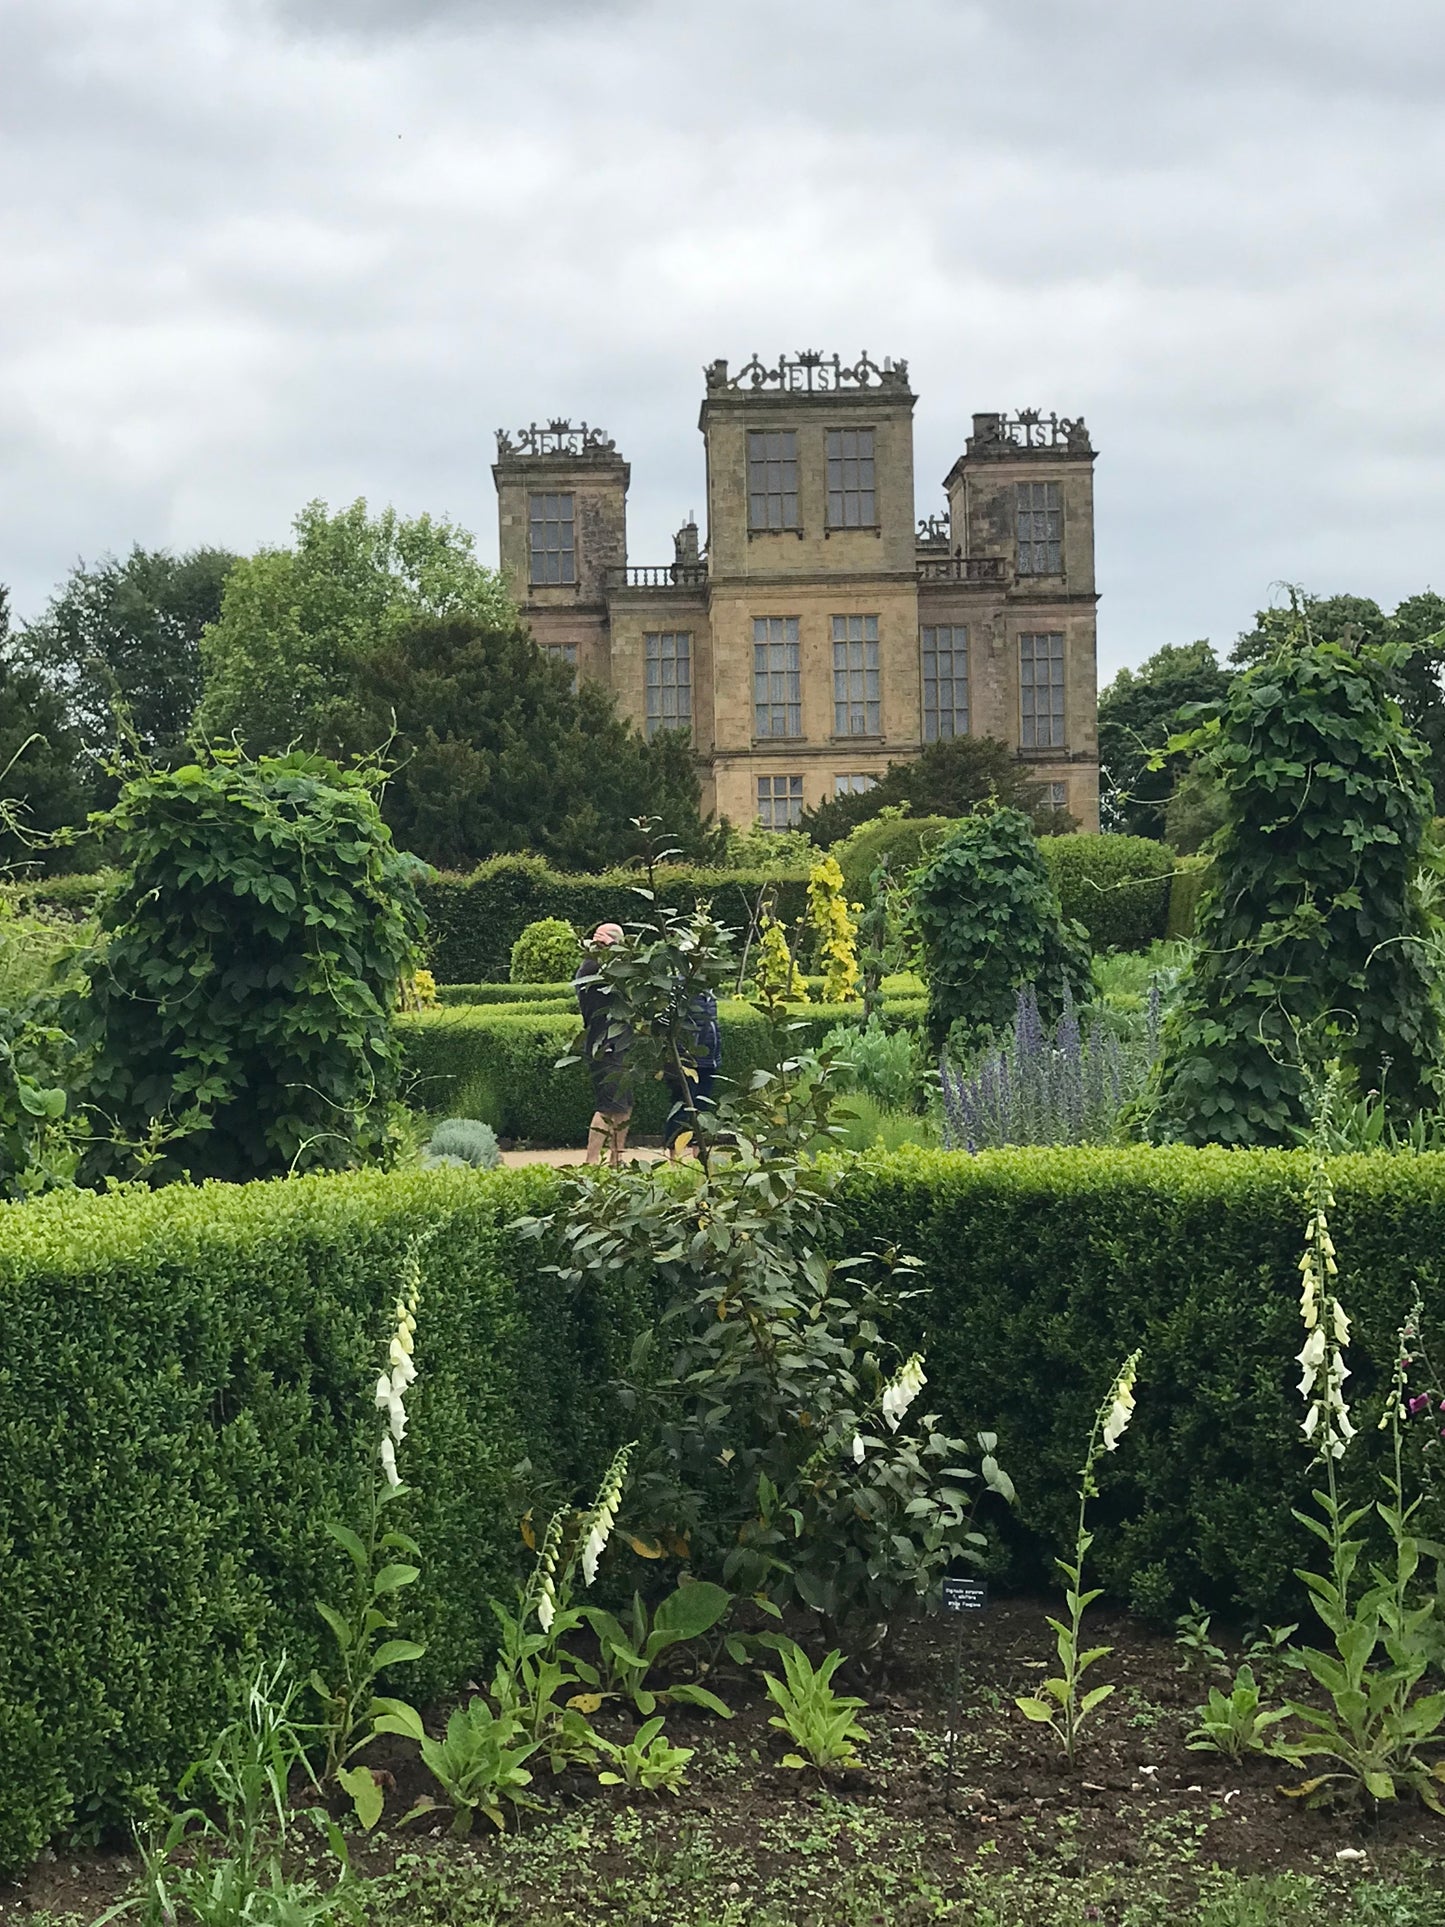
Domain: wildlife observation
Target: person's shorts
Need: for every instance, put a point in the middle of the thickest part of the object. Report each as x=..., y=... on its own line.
x=611, y=1090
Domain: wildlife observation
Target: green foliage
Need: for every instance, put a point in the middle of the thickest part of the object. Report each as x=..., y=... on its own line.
x=989, y=922
x=284, y=661
x=120, y=644
x=902, y=841
x=1234, y=1723
x=1312, y=933
x=648, y=1762
x=179, y=1417
x=1063, y=1702
x=781, y=852
x=1138, y=713
x=951, y=778
x=42, y=772
x=463, y=1140
x=547, y=952
x=1191, y=880
x=241, y=1004
x=496, y=749
x=820, y=1722
x=474, y=921
x=481, y=1762
x=1117, y=887
x=627, y=1655
x=886, y=1065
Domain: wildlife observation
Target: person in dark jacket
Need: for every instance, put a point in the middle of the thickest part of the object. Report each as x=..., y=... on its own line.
x=700, y=1048
x=606, y=1045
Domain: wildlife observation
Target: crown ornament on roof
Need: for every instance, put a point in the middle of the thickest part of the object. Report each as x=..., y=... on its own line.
x=807, y=371
x=556, y=437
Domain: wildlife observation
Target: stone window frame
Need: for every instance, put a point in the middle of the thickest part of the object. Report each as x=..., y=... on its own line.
x=944, y=673
x=664, y=650
x=852, y=478
x=772, y=457
x=1058, y=796
x=857, y=681
x=1052, y=715
x=854, y=783
x=1039, y=527
x=780, y=802
x=777, y=678
x=546, y=515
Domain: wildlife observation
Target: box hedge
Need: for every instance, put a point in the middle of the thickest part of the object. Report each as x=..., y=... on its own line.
x=1116, y=886
x=185, y=1398
x=475, y=920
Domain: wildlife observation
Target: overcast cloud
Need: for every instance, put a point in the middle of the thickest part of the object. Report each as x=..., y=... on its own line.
x=258, y=252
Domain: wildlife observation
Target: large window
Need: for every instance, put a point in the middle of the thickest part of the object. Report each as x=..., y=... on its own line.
x=777, y=678
x=1040, y=528
x=554, y=550
x=772, y=479
x=669, y=680
x=851, y=500
x=1041, y=691
x=856, y=708
x=945, y=683
x=780, y=802
x=855, y=784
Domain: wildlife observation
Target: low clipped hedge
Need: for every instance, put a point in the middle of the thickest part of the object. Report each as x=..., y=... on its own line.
x=1116, y=886
x=185, y=1400
x=498, y=1064
x=474, y=920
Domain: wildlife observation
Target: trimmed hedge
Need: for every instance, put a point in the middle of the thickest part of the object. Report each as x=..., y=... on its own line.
x=80, y=896
x=497, y=1065
x=1116, y=886
x=475, y=920
x=186, y=1397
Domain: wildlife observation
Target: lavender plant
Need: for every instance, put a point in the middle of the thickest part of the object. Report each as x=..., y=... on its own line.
x=1068, y=1085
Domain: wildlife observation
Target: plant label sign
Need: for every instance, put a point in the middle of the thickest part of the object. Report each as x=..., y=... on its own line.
x=965, y=1595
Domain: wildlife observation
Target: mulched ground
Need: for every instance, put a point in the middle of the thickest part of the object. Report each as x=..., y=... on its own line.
x=1140, y=1816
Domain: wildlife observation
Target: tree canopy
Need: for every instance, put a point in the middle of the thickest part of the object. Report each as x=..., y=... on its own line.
x=949, y=779
x=120, y=643
x=298, y=627
x=1138, y=713
x=497, y=752
x=41, y=767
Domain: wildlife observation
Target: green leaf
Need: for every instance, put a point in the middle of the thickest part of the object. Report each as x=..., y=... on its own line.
x=364, y=1790
x=393, y=1578
x=1036, y=1710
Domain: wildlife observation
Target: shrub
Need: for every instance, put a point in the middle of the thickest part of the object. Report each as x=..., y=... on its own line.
x=547, y=952
x=1191, y=878
x=886, y=1065
x=989, y=922
x=1313, y=940
x=1117, y=887
x=474, y=921
x=463, y=1140
x=242, y=1000
x=188, y=1379
x=903, y=840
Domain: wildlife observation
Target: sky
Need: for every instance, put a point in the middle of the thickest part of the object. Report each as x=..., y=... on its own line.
x=258, y=251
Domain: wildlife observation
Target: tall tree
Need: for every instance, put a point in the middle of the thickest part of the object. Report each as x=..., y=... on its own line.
x=298, y=626
x=41, y=765
x=495, y=751
x=949, y=779
x=1138, y=712
x=1418, y=675
x=120, y=643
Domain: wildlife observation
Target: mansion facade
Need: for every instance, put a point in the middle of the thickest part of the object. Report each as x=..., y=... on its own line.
x=823, y=630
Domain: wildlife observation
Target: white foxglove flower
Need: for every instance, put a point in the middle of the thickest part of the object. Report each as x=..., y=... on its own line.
x=547, y=1609
x=388, y=1461
x=1121, y=1408
x=859, y=1450
x=901, y=1390
x=1310, y=1358
x=383, y=1390
x=593, y=1550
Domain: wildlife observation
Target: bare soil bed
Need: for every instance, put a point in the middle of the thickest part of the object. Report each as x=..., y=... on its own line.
x=1141, y=1831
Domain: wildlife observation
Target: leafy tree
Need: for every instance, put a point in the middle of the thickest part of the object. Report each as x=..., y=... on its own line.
x=496, y=752
x=298, y=627
x=1138, y=713
x=989, y=922
x=948, y=779
x=125, y=637
x=1313, y=940
x=239, y=1016
x=1416, y=672
x=41, y=768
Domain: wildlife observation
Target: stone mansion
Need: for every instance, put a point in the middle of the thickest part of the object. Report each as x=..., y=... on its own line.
x=824, y=631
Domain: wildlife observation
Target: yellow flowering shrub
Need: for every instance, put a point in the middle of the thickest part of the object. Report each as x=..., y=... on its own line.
x=777, y=977
x=830, y=914
x=417, y=992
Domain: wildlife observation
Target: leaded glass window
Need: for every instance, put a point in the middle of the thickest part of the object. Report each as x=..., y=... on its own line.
x=554, y=548
x=852, y=503
x=777, y=677
x=857, y=709
x=945, y=682
x=669, y=680
x=780, y=802
x=1041, y=691
x=1040, y=528
x=772, y=478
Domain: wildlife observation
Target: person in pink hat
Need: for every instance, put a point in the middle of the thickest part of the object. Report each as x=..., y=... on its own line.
x=605, y=1049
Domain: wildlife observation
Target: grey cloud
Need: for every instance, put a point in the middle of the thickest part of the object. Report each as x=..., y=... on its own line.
x=252, y=259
